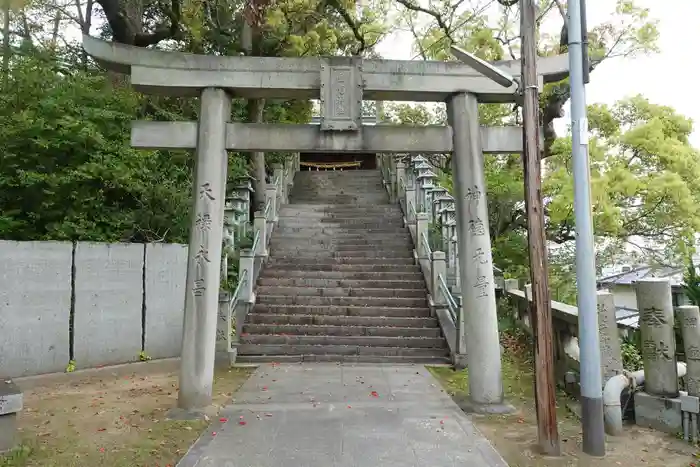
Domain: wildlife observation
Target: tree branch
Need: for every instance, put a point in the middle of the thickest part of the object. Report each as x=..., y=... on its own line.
x=122, y=31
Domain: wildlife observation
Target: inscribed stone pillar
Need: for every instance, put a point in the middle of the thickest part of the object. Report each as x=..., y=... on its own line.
x=658, y=338
x=690, y=319
x=610, y=351
x=475, y=262
x=203, y=266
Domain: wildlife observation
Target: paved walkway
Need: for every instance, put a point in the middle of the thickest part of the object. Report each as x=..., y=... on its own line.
x=329, y=415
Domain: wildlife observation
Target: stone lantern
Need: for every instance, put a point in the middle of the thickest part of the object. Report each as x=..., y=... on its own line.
x=425, y=180
x=435, y=194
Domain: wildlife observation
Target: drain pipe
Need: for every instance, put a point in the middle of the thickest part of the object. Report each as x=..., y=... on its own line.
x=612, y=408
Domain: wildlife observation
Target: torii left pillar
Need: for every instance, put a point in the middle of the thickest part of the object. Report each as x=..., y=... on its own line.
x=204, y=262
x=478, y=320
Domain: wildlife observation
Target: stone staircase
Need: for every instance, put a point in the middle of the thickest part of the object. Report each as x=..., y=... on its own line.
x=341, y=283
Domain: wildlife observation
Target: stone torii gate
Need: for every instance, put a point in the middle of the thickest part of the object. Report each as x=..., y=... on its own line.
x=341, y=84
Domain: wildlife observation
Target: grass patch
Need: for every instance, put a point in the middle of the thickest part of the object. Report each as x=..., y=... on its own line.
x=116, y=421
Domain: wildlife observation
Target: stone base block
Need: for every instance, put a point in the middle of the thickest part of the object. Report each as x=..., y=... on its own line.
x=10, y=404
x=8, y=432
x=469, y=406
x=460, y=361
x=659, y=413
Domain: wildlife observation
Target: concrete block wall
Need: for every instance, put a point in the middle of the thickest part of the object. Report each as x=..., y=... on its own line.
x=94, y=303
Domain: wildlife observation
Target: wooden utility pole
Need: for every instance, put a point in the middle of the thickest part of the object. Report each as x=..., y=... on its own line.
x=541, y=311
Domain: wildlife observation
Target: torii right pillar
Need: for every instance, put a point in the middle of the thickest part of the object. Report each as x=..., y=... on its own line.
x=478, y=321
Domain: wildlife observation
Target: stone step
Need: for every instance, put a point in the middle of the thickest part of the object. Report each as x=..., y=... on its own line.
x=310, y=300
x=373, y=292
x=342, y=174
x=304, y=224
x=396, y=249
x=344, y=267
x=327, y=220
x=356, y=341
x=341, y=321
x=281, y=349
x=392, y=275
x=342, y=210
x=341, y=217
x=385, y=245
x=347, y=310
x=329, y=331
x=354, y=283
x=401, y=237
x=338, y=186
x=339, y=199
x=329, y=252
x=302, y=281
x=344, y=260
x=390, y=359
x=340, y=231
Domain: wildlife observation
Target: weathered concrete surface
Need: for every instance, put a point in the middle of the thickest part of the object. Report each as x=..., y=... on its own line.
x=658, y=412
x=166, y=272
x=327, y=415
x=35, y=290
x=176, y=73
x=307, y=138
x=108, y=303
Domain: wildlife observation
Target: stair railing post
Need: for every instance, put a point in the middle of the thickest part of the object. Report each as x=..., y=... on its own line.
x=439, y=268
x=421, y=228
x=278, y=174
x=246, y=262
x=400, y=179
x=410, y=201
x=457, y=289
x=260, y=225
x=393, y=179
x=271, y=195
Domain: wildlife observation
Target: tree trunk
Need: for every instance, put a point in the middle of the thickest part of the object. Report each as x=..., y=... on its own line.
x=6, y=50
x=255, y=109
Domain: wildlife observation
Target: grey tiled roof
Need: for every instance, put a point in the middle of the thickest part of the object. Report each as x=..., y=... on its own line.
x=674, y=274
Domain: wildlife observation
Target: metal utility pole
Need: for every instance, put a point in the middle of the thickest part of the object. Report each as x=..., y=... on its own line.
x=591, y=378
x=541, y=310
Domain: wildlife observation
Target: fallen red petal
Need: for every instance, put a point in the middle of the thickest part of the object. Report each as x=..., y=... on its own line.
x=223, y=420
x=102, y=449
x=374, y=394
x=242, y=422
x=213, y=433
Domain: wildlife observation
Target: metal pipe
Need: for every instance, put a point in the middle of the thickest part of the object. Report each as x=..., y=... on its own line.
x=591, y=378
x=584, y=44
x=612, y=393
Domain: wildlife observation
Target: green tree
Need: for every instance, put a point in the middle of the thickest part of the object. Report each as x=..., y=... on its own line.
x=67, y=170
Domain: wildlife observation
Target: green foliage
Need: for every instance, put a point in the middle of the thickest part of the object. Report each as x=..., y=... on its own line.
x=631, y=353
x=691, y=283
x=68, y=172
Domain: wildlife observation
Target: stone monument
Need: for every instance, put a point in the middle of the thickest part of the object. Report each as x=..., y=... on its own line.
x=610, y=351
x=658, y=405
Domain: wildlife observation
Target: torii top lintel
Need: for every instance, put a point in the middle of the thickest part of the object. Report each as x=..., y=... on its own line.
x=183, y=74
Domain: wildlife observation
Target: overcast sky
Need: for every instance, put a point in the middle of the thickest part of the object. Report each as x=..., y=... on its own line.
x=651, y=76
